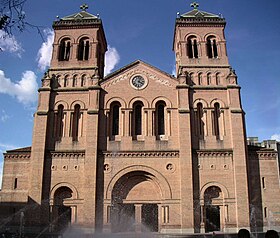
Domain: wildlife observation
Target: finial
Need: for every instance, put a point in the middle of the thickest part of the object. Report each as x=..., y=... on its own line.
x=195, y=5
x=84, y=7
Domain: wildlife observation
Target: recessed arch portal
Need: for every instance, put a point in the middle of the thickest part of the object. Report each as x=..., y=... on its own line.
x=135, y=195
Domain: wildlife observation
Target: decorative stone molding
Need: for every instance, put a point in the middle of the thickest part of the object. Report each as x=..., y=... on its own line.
x=170, y=167
x=267, y=155
x=66, y=154
x=128, y=75
x=17, y=156
x=214, y=153
x=142, y=154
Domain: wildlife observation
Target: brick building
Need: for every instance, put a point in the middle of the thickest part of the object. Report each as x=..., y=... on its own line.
x=140, y=149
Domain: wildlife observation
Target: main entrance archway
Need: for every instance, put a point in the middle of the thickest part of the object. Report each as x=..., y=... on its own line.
x=135, y=199
x=61, y=213
x=212, y=210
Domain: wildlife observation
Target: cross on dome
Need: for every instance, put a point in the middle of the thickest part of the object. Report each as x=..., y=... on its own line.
x=84, y=7
x=195, y=5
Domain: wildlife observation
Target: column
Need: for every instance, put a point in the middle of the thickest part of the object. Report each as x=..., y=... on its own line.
x=138, y=217
x=73, y=214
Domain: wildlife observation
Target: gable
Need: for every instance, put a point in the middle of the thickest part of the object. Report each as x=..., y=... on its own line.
x=154, y=84
x=150, y=73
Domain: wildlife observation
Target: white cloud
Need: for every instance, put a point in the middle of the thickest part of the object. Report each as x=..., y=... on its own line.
x=10, y=44
x=4, y=116
x=45, y=52
x=4, y=147
x=24, y=90
x=275, y=137
x=112, y=58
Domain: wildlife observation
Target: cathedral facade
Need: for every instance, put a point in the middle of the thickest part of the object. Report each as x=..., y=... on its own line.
x=140, y=149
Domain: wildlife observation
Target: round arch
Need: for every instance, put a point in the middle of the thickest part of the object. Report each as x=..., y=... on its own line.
x=211, y=34
x=72, y=40
x=156, y=177
x=210, y=184
x=82, y=104
x=115, y=99
x=85, y=36
x=75, y=194
x=216, y=100
x=141, y=99
x=192, y=34
x=166, y=100
x=63, y=103
x=202, y=101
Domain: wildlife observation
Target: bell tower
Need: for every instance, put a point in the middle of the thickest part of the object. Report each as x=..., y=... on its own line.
x=209, y=96
x=79, y=43
x=67, y=119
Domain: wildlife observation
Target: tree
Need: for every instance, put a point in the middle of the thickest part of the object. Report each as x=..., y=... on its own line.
x=12, y=17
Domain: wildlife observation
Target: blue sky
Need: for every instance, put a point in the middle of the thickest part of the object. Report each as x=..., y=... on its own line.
x=144, y=30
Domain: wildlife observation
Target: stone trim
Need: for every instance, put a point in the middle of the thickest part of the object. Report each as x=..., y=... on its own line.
x=236, y=111
x=234, y=86
x=218, y=153
x=42, y=113
x=17, y=156
x=44, y=89
x=70, y=89
x=266, y=155
x=72, y=68
x=147, y=154
x=182, y=86
x=211, y=87
x=66, y=154
x=92, y=112
x=183, y=110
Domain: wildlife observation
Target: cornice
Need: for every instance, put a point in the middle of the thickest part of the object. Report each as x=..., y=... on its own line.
x=139, y=154
x=214, y=153
x=66, y=154
x=21, y=156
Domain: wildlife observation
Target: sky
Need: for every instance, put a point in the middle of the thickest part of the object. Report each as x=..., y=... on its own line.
x=143, y=30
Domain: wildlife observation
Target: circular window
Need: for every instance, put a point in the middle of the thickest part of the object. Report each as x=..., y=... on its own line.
x=138, y=82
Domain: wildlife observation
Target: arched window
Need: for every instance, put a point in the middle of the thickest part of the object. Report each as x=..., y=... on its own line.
x=212, y=49
x=216, y=117
x=200, y=79
x=83, y=80
x=75, y=122
x=115, y=118
x=137, y=118
x=218, y=81
x=160, y=118
x=200, y=123
x=59, y=122
x=64, y=50
x=83, y=49
x=66, y=81
x=75, y=80
x=209, y=79
x=192, y=47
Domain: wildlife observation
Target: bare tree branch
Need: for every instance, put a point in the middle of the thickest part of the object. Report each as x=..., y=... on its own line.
x=13, y=18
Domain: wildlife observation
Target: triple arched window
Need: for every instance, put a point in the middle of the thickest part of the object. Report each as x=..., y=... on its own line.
x=138, y=120
x=64, y=49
